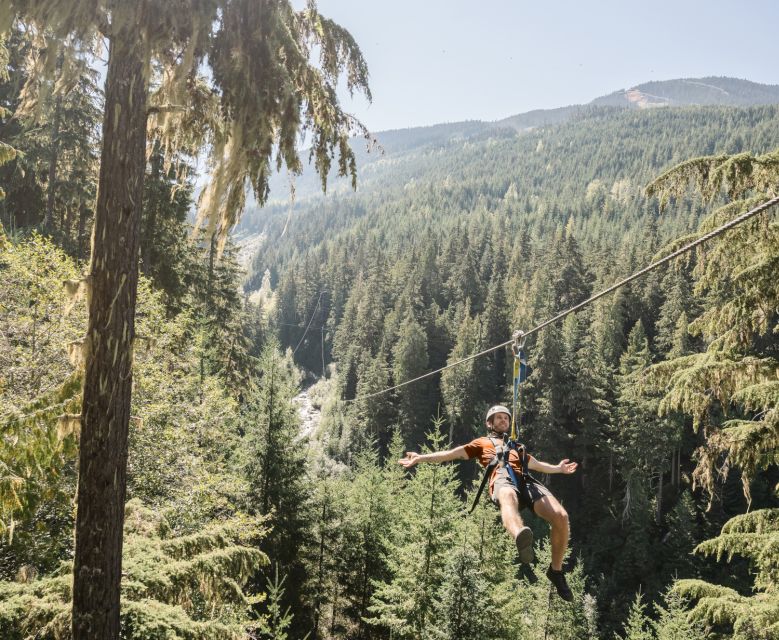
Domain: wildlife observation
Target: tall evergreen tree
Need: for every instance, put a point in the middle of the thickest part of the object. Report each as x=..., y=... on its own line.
x=275, y=470
x=363, y=557
x=463, y=594
x=409, y=361
x=735, y=375
x=496, y=329
x=460, y=384
x=405, y=604
x=243, y=141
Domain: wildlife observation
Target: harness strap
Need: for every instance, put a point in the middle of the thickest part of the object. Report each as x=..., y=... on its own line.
x=485, y=478
x=501, y=458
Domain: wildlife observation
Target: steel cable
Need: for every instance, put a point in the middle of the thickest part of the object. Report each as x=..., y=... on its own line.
x=704, y=238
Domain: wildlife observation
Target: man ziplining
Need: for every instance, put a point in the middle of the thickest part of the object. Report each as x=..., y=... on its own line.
x=509, y=496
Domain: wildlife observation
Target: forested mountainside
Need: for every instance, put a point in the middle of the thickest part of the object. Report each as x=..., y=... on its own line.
x=447, y=251
x=393, y=146
x=590, y=171
x=239, y=524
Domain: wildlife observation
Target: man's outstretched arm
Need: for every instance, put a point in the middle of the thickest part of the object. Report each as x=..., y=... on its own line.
x=565, y=466
x=412, y=458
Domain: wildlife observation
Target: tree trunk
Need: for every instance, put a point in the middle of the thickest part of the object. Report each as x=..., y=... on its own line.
x=678, y=466
x=148, y=253
x=65, y=220
x=659, y=506
x=82, y=223
x=105, y=414
x=48, y=220
x=611, y=470
x=208, y=308
x=321, y=572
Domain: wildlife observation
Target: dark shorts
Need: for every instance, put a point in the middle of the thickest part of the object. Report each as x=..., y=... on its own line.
x=528, y=492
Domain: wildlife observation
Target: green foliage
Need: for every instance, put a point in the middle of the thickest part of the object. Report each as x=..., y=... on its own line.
x=417, y=561
x=460, y=384
x=274, y=467
x=672, y=621
x=37, y=386
x=734, y=174
x=463, y=593
x=410, y=360
x=737, y=372
x=754, y=536
x=52, y=179
x=174, y=587
x=278, y=620
x=730, y=389
x=198, y=475
x=637, y=623
x=194, y=479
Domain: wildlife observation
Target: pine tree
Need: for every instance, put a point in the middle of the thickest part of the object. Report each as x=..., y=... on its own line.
x=673, y=620
x=676, y=304
x=405, y=604
x=244, y=129
x=275, y=470
x=679, y=541
x=368, y=500
x=496, y=330
x=755, y=536
x=735, y=375
x=637, y=625
x=327, y=528
x=374, y=415
x=460, y=384
x=409, y=357
x=462, y=598
x=166, y=253
x=737, y=369
x=637, y=413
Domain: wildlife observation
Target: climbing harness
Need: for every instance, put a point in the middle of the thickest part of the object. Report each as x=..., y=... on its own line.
x=509, y=443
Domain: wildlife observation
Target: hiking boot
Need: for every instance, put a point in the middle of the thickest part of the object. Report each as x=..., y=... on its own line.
x=524, y=542
x=557, y=578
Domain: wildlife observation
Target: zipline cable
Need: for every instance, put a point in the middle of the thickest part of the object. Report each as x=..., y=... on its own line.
x=309, y=322
x=301, y=324
x=704, y=238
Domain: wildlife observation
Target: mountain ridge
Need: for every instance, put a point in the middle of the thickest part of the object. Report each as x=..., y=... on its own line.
x=394, y=144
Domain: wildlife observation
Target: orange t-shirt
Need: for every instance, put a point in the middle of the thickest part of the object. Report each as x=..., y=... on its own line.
x=484, y=449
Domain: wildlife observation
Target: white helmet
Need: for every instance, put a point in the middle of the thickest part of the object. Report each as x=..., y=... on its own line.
x=498, y=408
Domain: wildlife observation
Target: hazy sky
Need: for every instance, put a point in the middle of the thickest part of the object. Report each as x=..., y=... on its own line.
x=437, y=61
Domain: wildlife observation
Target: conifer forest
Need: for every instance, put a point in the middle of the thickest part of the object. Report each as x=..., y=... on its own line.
x=197, y=440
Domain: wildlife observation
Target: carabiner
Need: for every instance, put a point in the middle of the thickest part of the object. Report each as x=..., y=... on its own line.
x=519, y=342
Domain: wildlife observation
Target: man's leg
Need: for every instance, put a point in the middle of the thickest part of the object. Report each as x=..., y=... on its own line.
x=509, y=511
x=512, y=521
x=553, y=512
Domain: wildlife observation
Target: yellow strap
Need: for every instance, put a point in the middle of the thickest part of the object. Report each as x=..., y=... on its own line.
x=514, y=407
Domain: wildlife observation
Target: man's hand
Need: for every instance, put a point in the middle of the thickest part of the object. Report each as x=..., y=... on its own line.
x=410, y=460
x=567, y=467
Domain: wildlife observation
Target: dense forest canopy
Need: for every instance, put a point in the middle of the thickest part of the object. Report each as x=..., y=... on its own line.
x=243, y=521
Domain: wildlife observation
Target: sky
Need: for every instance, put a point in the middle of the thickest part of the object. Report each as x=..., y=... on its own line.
x=434, y=61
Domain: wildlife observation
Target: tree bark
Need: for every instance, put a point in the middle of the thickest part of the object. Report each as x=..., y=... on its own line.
x=82, y=222
x=48, y=220
x=148, y=252
x=109, y=342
